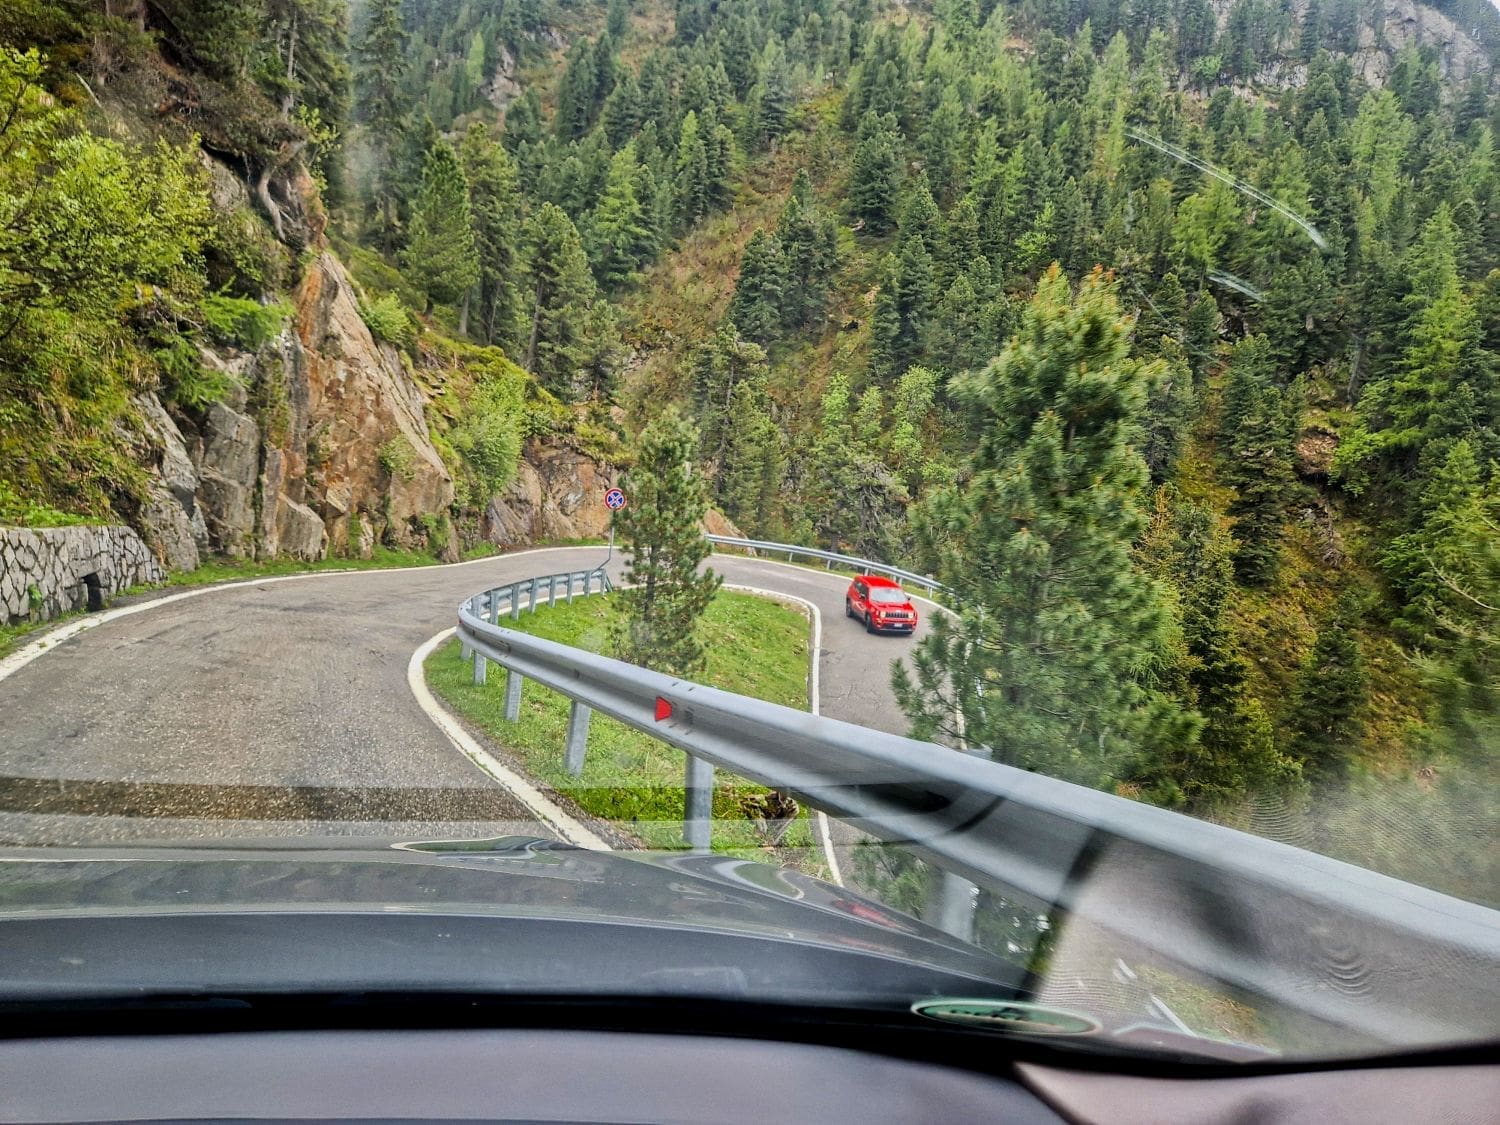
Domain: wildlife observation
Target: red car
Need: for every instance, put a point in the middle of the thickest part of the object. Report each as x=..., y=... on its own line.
x=881, y=604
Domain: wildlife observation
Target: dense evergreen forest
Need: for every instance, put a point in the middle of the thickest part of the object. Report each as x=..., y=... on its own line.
x=1165, y=332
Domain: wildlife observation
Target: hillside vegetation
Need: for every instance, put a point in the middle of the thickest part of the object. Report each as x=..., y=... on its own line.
x=1167, y=334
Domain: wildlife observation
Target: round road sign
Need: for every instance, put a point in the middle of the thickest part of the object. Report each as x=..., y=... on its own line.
x=614, y=499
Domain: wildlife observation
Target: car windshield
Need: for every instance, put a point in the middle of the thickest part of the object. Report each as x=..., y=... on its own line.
x=437, y=441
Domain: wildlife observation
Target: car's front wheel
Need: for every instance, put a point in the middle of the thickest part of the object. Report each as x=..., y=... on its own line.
x=869, y=622
x=848, y=608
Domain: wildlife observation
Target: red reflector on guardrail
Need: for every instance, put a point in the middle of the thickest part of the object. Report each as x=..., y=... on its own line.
x=663, y=709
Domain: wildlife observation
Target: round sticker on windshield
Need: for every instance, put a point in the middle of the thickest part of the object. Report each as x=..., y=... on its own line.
x=1015, y=1016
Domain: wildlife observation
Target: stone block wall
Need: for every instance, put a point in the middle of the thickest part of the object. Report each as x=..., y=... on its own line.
x=48, y=571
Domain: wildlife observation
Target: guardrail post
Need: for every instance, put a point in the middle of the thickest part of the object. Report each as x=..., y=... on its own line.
x=571, y=575
x=951, y=904
x=513, y=681
x=551, y=588
x=481, y=667
x=515, y=601
x=698, y=807
x=494, y=607
x=531, y=595
x=578, y=736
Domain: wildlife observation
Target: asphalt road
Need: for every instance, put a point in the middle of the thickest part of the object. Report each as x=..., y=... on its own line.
x=282, y=708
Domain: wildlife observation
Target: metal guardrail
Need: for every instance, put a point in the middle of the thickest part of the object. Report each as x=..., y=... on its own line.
x=866, y=566
x=1321, y=941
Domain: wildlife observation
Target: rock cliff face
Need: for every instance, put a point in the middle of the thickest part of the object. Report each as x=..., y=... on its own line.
x=321, y=444
x=558, y=493
x=356, y=446
x=1399, y=23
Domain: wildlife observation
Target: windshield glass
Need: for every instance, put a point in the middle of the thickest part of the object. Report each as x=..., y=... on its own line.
x=432, y=434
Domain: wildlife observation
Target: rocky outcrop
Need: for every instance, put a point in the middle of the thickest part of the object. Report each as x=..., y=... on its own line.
x=1399, y=23
x=357, y=446
x=320, y=443
x=558, y=493
x=172, y=517
x=50, y=571
x=228, y=459
x=715, y=522
x=503, y=88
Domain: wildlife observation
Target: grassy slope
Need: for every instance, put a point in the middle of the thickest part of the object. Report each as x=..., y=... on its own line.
x=756, y=647
x=681, y=299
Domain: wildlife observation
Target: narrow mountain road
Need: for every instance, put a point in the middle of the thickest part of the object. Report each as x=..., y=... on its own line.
x=281, y=707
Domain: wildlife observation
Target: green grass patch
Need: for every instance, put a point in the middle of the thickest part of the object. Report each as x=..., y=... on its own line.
x=755, y=646
x=383, y=558
x=11, y=636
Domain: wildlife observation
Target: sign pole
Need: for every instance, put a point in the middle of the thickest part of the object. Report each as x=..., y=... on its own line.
x=614, y=500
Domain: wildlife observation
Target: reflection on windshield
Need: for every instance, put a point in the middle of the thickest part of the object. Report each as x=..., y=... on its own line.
x=504, y=383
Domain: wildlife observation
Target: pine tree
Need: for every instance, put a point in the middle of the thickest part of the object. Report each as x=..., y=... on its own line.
x=693, y=178
x=1457, y=603
x=621, y=236
x=495, y=203
x=1168, y=417
x=760, y=290
x=875, y=179
x=718, y=367
x=561, y=295
x=621, y=116
x=381, y=57
x=909, y=449
x=885, y=324
x=523, y=121
x=1420, y=562
x=440, y=256
x=959, y=340
x=1165, y=314
x=1259, y=428
x=1201, y=335
x=665, y=595
x=718, y=143
x=1326, y=719
x=809, y=246
x=1235, y=755
x=959, y=249
x=942, y=144
x=1444, y=385
x=750, y=473
x=917, y=297
x=920, y=217
x=835, y=468
x=577, y=92
x=771, y=100
x=618, y=18
x=1046, y=660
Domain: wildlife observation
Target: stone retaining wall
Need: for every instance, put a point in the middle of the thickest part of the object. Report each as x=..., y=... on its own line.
x=45, y=572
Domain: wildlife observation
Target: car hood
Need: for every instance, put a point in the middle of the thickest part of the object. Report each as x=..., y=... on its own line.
x=435, y=914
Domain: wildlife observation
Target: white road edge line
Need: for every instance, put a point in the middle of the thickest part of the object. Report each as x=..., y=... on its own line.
x=544, y=810
x=54, y=637
x=815, y=616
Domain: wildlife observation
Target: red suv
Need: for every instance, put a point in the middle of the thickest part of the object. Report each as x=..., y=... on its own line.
x=881, y=604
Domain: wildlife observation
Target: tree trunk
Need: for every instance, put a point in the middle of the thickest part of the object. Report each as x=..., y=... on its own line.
x=267, y=201
x=536, y=328
x=463, y=315
x=288, y=100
